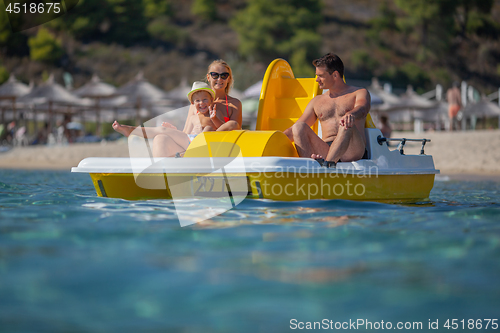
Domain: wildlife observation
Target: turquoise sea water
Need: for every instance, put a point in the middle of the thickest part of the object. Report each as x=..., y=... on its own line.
x=73, y=262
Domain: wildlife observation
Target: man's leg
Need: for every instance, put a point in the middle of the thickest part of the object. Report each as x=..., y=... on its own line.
x=307, y=142
x=349, y=145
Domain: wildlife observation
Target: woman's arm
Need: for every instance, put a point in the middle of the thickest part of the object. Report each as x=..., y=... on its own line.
x=237, y=115
x=188, y=126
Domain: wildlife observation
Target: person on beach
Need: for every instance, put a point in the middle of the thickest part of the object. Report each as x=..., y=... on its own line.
x=385, y=127
x=454, y=99
x=223, y=113
x=342, y=114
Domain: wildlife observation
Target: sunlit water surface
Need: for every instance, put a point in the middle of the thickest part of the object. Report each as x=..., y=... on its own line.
x=73, y=262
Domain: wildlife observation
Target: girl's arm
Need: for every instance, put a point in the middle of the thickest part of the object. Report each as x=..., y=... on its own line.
x=213, y=116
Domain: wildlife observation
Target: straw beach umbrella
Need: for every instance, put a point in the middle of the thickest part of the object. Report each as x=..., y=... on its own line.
x=178, y=95
x=484, y=108
x=50, y=93
x=385, y=99
x=254, y=90
x=420, y=109
x=12, y=90
x=139, y=93
x=414, y=102
x=389, y=100
x=407, y=108
x=112, y=104
x=97, y=90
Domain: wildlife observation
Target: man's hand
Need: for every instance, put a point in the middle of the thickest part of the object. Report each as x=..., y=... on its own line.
x=347, y=121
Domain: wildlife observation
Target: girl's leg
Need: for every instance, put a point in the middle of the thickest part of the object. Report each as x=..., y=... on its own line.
x=145, y=132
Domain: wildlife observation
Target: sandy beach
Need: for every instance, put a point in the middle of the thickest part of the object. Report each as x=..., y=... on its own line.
x=471, y=154
x=60, y=157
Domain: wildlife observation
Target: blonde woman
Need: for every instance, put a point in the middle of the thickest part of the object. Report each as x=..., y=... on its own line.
x=227, y=115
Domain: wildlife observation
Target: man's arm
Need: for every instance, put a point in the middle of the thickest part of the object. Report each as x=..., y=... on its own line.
x=359, y=111
x=309, y=117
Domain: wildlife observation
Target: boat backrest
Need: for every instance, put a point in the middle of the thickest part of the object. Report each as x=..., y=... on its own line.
x=283, y=98
x=372, y=146
x=240, y=143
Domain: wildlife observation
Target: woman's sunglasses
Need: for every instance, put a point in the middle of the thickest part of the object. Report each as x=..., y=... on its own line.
x=215, y=75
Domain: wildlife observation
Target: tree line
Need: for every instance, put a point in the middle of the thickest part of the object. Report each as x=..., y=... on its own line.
x=419, y=42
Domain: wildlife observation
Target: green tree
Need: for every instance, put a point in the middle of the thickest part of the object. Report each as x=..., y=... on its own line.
x=45, y=47
x=437, y=22
x=4, y=75
x=363, y=61
x=431, y=16
x=421, y=14
x=472, y=14
x=432, y=22
x=204, y=9
x=386, y=21
x=408, y=73
x=156, y=8
x=281, y=28
x=5, y=31
x=127, y=24
x=89, y=20
x=119, y=21
x=162, y=28
x=11, y=44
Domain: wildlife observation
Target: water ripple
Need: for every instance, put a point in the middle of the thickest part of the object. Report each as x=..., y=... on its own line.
x=72, y=261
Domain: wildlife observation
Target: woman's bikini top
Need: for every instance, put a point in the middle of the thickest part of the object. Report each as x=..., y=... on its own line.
x=226, y=119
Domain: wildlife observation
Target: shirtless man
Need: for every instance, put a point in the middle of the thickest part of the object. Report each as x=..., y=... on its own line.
x=342, y=113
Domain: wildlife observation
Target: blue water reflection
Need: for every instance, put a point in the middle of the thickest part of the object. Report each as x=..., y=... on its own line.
x=70, y=261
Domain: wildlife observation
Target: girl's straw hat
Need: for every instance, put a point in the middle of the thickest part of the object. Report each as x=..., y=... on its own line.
x=197, y=86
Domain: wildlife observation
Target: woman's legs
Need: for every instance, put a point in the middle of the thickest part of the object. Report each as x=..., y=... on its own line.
x=145, y=132
x=166, y=141
x=168, y=146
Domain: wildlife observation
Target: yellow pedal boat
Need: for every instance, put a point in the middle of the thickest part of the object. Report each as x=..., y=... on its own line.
x=264, y=163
